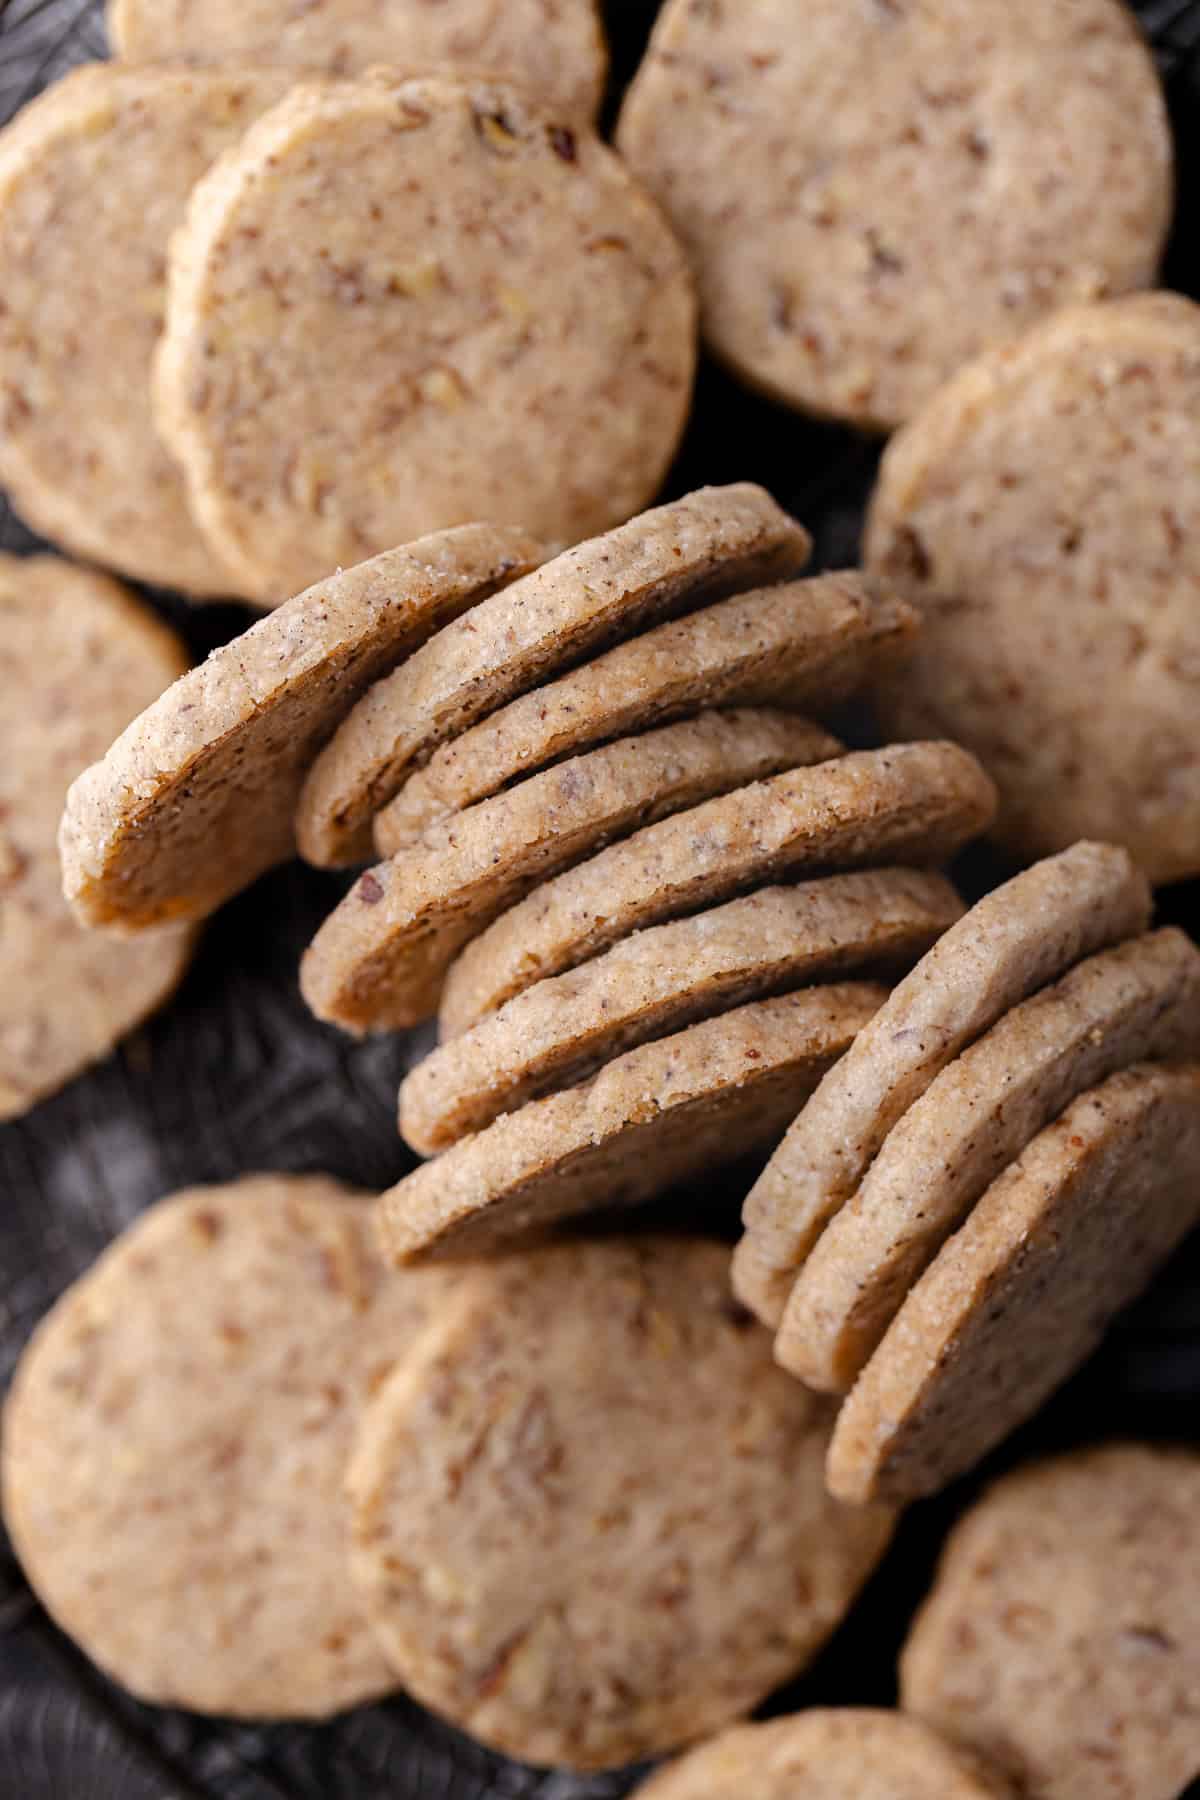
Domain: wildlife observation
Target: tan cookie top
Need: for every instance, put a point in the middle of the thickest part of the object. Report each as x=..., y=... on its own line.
x=1019, y=937
x=1140, y=1001
x=804, y=643
x=379, y=960
x=657, y=1115
x=872, y=200
x=530, y=1537
x=396, y=306
x=176, y=1439
x=555, y=48
x=1042, y=514
x=1062, y=1633
x=195, y=799
x=659, y=980
x=78, y=658
x=710, y=543
x=110, y=155
x=908, y=803
x=821, y=1755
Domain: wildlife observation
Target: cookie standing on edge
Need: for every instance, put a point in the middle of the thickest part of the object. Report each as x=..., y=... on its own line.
x=872, y=200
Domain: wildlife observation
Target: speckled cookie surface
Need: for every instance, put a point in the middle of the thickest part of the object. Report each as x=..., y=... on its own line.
x=1062, y=1633
x=379, y=960
x=195, y=798
x=176, y=1439
x=805, y=644
x=873, y=199
x=398, y=306
x=529, y=1535
x=79, y=656
x=1137, y=1002
x=820, y=1755
x=659, y=980
x=1043, y=514
x=913, y=803
x=707, y=544
x=1024, y=934
x=555, y=48
x=657, y=1115
x=109, y=155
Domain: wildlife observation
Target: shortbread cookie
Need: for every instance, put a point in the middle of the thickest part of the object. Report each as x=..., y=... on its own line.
x=78, y=657
x=659, y=980
x=710, y=543
x=821, y=1755
x=1022, y=1294
x=176, y=1439
x=1016, y=940
x=1042, y=514
x=1138, y=1002
x=94, y=177
x=399, y=305
x=530, y=1538
x=807, y=644
x=871, y=200
x=195, y=799
x=657, y=1115
x=912, y=803
x=378, y=961
x=1062, y=1634
x=555, y=48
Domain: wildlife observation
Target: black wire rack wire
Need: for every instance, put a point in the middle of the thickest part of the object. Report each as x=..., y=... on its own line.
x=237, y=1076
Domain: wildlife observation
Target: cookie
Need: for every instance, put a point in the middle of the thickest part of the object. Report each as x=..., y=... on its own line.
x=1138, y=1002
x=78, y=657
x=176, y=1439
x=708, y=544
x=659, y=980
x=379, y=960
x=871, y=201
x=109, y=155
x=529, y=1536
x=1062, y=1633
x=401, y=305
x=1018, y=938
x=195, y=799
x=807, y=644
x=909, y=803
x=1021, y=1295
x=1042, y=516
x=824, y=1755
x=556, y=50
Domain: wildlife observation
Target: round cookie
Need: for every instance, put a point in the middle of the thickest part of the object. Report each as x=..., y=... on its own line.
x=78, y=657
x=806, y=644
x=379, y=960
x=109, y=155
x=708, y=544
x=529, y=1536
x=195, y=799
x=909, y=803
x=555, y=48
x=399, y=305
x=1137, y=1002
x=176, y=1439
x=659, y=980
x=821, y=1755
x=657, y=1115
x=1042, y=514
x=1018, y=938
x=871, y=200
x=1062, y=1632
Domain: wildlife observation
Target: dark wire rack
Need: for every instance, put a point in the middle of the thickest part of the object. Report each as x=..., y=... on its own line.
x=237, y=1076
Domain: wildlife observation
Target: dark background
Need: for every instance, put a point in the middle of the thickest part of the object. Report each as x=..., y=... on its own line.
x=237, y=1076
